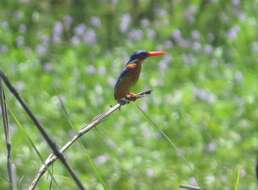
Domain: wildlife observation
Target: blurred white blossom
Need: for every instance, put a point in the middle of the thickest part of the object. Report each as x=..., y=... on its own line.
x=151, y=33
x=163, y=64
x=102, y=70
x=211, y=147
x=210, y=37
x=188, y=59
x=176, y=35
x=57, y=33
x=196, y=46
x=101, y=159
x=90, y=69
x=3, y=48
x=95, y=21
x=150, y=172
x=125, y=22
x=207, y=49
x=255, y=47
x=168, y=44
x=75, y=40
x=90, y=36
x=41, y=49
x=210, y=178
x=22, y=28
x=190, y=13
x=195, y=35
x=80, y=29
x=232, y=33
x=204, y=95
x=4, y=25
x=19, y=41
x=135, y=34
x=68, y=20
x=145, y=23
x=20, y=86
x=239, y=76
x=235, y=2
x=98, y=89
x=18, y=15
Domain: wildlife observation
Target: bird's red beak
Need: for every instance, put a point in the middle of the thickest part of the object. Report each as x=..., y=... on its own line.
x=156, y=53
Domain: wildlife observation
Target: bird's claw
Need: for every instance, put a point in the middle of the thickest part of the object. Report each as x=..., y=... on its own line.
x=124, y=101
x=131, y=96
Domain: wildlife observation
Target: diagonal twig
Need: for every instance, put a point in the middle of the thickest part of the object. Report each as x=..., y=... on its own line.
x=71, y=125
x=11, y=174
x=190, y=187
x=52, y=158
x=44, y=134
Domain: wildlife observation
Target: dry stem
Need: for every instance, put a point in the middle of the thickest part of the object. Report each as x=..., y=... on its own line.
x=41, y=129
x=100, y=118
x=191, y=187
x=11, y=174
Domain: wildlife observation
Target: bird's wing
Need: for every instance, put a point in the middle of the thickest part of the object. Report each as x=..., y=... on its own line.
x=123, y=76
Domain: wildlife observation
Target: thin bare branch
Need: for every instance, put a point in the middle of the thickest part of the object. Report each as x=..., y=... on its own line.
x=10, y=169
x=99, y=119
x=46, y=137
x=191, y=187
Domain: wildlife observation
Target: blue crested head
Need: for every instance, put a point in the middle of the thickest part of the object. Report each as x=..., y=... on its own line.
x=138, y=56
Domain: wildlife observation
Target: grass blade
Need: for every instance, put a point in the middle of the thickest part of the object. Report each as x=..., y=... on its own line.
x=10, y=167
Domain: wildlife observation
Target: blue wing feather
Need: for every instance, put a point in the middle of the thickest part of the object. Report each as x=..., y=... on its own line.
x=124, y=74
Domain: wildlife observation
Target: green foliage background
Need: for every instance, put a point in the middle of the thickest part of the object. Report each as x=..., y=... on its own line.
x=204, y=97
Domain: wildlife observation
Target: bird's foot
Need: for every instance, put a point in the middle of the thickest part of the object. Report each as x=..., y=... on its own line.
x=123, y=101
x=131, y=96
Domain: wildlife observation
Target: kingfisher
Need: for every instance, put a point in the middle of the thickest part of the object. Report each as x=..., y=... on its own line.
x=130, y=75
